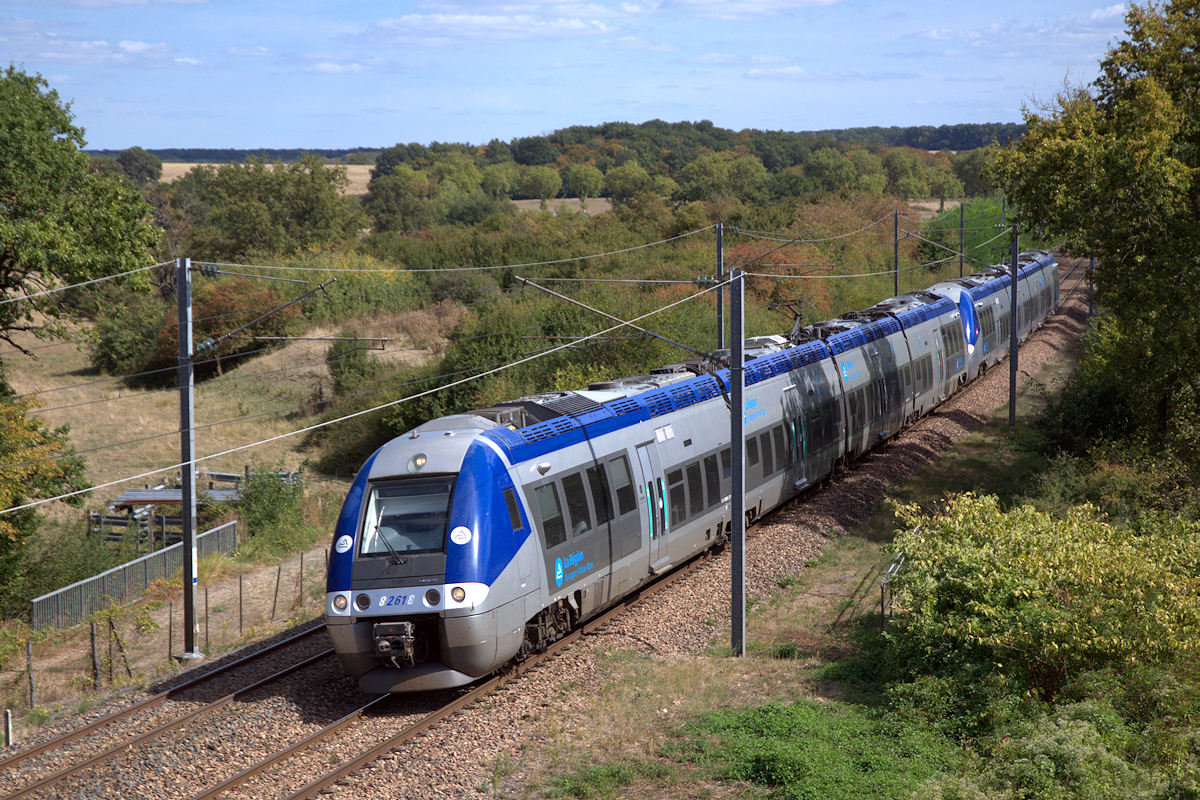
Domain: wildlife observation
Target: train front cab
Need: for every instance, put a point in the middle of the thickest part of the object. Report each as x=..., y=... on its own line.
x=432, y=567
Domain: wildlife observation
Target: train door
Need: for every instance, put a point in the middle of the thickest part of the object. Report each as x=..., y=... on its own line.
x=655, y=492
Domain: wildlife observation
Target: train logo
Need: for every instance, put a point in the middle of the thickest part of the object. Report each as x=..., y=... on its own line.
x=558, y=571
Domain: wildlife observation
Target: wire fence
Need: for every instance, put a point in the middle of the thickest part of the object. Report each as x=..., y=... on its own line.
x=73, y=604
x=130, y=645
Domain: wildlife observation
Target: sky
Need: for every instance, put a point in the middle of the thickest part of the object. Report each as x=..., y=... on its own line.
x=250, y=73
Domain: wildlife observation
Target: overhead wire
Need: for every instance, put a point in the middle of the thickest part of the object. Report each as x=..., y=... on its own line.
x=84, y=283
x=326, y=423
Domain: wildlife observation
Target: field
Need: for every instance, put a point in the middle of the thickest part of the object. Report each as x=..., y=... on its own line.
x=359, y=174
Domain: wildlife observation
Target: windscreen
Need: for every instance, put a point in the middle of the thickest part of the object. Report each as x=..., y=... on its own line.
x=407, y=517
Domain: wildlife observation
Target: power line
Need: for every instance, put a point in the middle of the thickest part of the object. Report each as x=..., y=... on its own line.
x=84, y=283
x=363, y=412
x=392, y=271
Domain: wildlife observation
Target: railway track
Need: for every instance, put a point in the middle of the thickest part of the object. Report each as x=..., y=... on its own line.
x=142, y=713
x=356, y=739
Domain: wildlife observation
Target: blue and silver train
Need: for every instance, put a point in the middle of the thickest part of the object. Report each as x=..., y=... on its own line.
x=479, y=538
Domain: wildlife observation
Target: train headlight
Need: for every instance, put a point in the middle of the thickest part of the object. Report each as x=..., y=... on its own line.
x=340, y=602
x=417, y=462
x=433, y=597
x=458, y=594
x=362, y=602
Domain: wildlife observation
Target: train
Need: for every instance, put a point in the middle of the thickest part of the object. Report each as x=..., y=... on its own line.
x=477, y=539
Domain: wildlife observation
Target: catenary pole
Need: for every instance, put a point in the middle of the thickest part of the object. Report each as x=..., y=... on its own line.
x=720, y=289
x=896, y=251
x=962, y=240
x=737, y=439
x=187, y=450
x=1012, y=336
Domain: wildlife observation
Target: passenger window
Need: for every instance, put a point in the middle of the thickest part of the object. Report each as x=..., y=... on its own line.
x=782, y=453
x=675, y=491
x=751, y=451
x=581, y=519
x=550, y=511
x=598, y=483
x=713, y=479
x=726, y=463
x=623, y=485
x=764, y=441
x=695, y=490
x=514, y=511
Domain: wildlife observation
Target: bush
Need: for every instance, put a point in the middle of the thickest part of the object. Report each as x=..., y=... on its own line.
x=350, y=363
x=1040, y=600
x=272, y=510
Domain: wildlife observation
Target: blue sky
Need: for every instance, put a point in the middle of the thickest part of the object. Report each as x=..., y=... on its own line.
x=215, y=73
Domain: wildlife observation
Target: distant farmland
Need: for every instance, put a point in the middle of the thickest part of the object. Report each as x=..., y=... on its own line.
x=359, y=174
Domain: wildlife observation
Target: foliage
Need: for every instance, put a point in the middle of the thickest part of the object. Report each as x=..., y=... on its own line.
x=819, y=750
x=1043, y=600
x=350, y=363
x=272, y=510
x=60, y=223
x=139, y=166
x=234, y=210
x=1123, y=158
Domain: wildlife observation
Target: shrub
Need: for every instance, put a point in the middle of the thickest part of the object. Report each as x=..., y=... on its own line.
x=350, y=363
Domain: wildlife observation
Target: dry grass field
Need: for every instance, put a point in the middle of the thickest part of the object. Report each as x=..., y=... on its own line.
x=359, y=174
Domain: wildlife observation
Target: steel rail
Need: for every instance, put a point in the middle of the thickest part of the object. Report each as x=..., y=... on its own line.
x=410, y=732
x=153, y=700
x=178, y=722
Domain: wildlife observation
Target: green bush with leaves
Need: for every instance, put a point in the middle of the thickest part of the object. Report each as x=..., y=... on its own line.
x=272, y=510
x=1042, y=600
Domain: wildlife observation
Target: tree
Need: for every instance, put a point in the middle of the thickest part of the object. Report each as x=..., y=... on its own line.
x=944, y=183
x=256, y=207
x=627, y=180
x=1113, y=170
x=498, y=179
x=140, y=167
x=60, y=223
x=399, y=201
x=831, y=170
x=540, y=182
x=35, y=461
x=584, y=181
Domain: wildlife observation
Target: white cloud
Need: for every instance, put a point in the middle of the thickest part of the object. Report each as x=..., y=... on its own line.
x=188, y=62
x=159, y=50
x=638, y=43
x=331, y=68
x=785, y=73
x=1112, y=12
x=453, y=28
x=250, y=52
x=741, y=9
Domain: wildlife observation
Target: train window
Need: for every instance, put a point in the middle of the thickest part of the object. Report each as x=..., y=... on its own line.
x=598, y=483
x=623, y=485
x=514, y=511
x=407, y=516
x=712, y=479
x=751, y=451
x=764, y=441
x=675, y=490
x=695, y=489
x=726, y=463
x=554, y=531
x=782, y=452
x=577, y=505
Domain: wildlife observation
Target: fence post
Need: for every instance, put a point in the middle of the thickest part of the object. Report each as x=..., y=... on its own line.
x=29, y=664
x=8, y=731
x=275, y=599
x=239, y=605
x=300, y=583
x=205, y=617
x=170, y=629
x=95, y=658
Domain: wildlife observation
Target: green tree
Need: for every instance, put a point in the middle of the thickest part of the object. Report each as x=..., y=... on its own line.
x=747, y=178
x=625, y=181
x=60, y=223
x=1113, y=170
x=399, y=201
x=905, y=175
x=541, y=182
x=944, y=183
x=584, y=181
x=140, y=166
x=705, y=178
x=256, y=207
x=831, y=170
x=499, y=179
